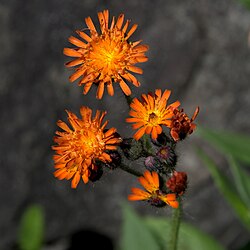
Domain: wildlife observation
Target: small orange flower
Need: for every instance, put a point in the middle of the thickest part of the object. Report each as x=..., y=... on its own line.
x=107, y=57
x=181, y=125
x=151, y=113
x=150, y=181
x=78, y=148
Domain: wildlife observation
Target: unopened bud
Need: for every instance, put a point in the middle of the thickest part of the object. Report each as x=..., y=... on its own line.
x=177, y=183
x=153, y=164
x=131, y=148
x=116, y=160
x=95, y=173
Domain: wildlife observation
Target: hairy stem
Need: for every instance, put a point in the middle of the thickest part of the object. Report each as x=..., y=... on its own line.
x=130, y=170
x=176, y=220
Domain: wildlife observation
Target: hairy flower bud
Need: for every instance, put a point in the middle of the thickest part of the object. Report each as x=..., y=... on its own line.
x=95, y=173
x=116, y=160
x=181, y=125
x=166, y=154
x=153, y=164
x=131, y=148
x=177, y=183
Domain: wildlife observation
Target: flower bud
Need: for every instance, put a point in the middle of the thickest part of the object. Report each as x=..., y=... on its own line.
x=177, y=183
x=116, y=160
x=153, y=164
x=95, y=173
x=181, y=125
x=166, y=154
x=131, y=148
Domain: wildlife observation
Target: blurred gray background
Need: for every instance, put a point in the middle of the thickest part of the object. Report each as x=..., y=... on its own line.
x=198, y=49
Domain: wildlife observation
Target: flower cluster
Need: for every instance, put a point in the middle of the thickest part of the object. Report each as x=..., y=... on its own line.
x=85, y=147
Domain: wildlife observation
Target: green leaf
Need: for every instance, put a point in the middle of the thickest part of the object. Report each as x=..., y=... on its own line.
x=237, y=145
x=242, y=181
x=135, y=234
x=227, y=189
x=190, y=238
x=246, y=3
x=31, y=231
x=152, y=233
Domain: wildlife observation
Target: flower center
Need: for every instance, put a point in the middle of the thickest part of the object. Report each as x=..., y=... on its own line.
x=153, y=119
x=89, y=143
x=108, y=52
x=155, y=194
x=164, y=152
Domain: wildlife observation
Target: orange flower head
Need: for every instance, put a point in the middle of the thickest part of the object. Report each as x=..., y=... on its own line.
x=151, y=113
x=181, y=125
x=80, y=146
x=106, y=57
x=150, y=181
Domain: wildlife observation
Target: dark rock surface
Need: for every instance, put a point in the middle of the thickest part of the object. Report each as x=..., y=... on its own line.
x=198, y=49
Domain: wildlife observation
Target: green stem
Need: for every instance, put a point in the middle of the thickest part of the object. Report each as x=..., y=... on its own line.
x=176, y=220
x=130, y=170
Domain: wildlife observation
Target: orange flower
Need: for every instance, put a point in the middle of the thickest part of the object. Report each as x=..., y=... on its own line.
x=107, y=57
x=150, y=181
x=151, y=113
x=78, y=148
x=181, y=125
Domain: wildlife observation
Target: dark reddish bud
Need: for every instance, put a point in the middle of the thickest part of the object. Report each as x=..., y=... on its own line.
x=116, y=160
x=177, y=183
x=181, y=124
x=95, y=173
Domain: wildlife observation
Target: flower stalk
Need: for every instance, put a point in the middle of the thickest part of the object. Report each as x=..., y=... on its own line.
x=129, y=170
x=175, y=226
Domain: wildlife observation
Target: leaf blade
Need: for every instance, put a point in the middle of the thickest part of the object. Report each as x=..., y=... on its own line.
x=135, y=235
x=237, y=145
x=31, y=229
x=190, y=238
x=246, y=3
x=225, y=187
x=241, y=179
